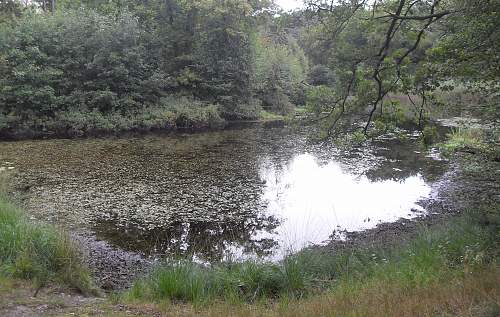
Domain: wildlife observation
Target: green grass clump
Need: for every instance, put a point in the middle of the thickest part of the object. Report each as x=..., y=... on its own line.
x=266, y=115
x=464, y=138
x=186, y=281
x=429, y=135
x=38, y=252
x=235, y=282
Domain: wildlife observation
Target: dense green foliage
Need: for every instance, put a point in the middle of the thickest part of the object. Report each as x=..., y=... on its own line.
x=281, y=71
x=83, y=66
x=121, y=65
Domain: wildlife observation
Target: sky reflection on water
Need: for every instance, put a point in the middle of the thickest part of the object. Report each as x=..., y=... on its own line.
x=313, y=200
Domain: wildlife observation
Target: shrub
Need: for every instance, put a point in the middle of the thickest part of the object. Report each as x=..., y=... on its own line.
x=320, y=99
x=190, y=113
x=4, y=122
x=155, y=118
x=277, y=101
x=320, y=75
x=248, y=111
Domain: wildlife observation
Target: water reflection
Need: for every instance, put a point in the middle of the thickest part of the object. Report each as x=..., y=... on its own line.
x=313, y=200
x=234, y=193
x=205, y=240
x=401, y=160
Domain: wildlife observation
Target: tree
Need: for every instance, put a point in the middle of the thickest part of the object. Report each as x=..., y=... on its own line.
x=46, y=5
x=280, y=74
x=224, y=54
x=376, y=48
x=116, y=58
x=467, y=52
x=73, y=60
x=10, y=10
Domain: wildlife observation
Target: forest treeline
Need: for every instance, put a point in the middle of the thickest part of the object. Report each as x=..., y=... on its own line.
x=119, y=65
x=77, y=66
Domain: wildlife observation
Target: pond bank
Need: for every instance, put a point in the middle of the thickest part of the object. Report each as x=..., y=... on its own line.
x=167, y=129
x=470, y=182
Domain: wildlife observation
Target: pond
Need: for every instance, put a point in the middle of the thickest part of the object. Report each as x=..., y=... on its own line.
x=238, y=193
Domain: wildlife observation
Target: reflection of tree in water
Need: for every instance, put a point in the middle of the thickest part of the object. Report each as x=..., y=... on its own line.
x=400, y=160
x=209, y=241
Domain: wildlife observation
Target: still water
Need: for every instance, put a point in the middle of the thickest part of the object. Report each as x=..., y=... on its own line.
x=243, y=192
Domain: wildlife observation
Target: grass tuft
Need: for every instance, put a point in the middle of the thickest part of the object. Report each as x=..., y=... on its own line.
x=270, y=116
x=464, y=139
x=39, y=252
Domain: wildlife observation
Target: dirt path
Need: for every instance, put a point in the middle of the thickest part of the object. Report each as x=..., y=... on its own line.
x=17, y=300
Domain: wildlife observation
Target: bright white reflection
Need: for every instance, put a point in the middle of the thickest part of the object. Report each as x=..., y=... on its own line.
x=314, y=200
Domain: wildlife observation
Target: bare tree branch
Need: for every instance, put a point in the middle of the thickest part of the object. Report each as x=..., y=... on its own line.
x=417, y=18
